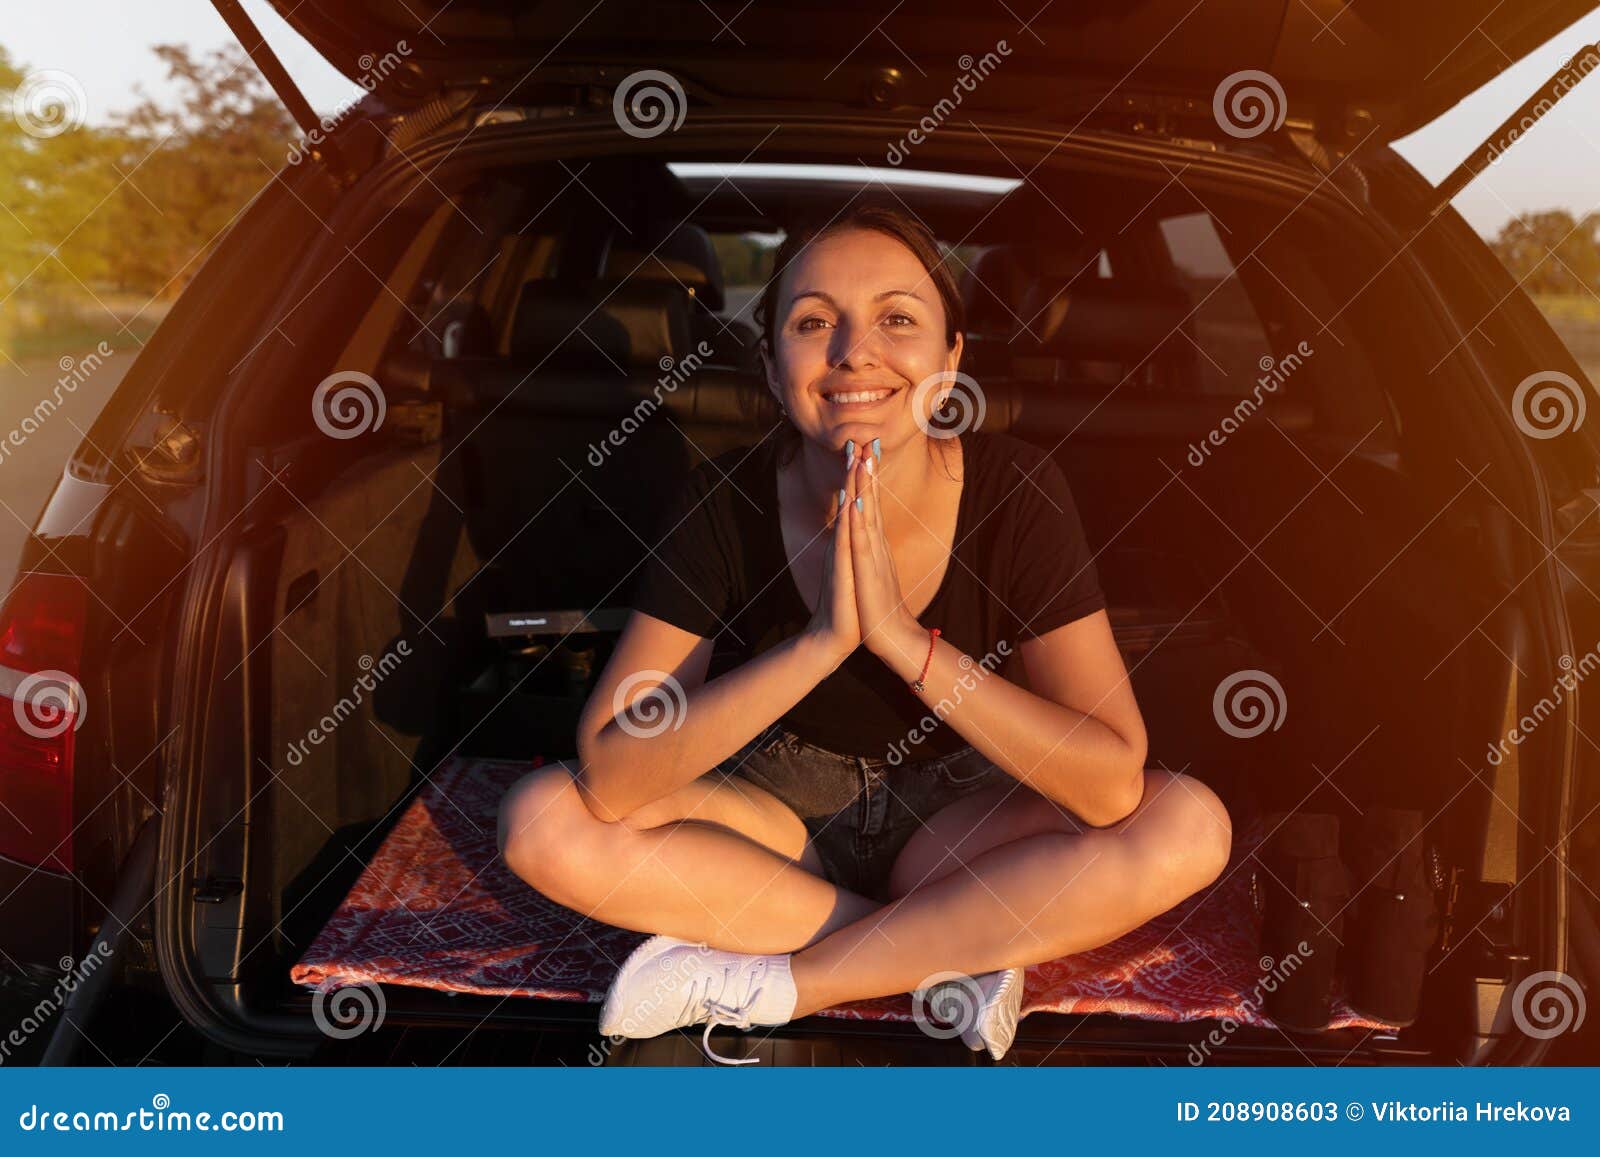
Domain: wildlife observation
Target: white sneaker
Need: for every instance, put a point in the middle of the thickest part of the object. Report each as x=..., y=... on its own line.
x=667, y=983
x=986, y=1007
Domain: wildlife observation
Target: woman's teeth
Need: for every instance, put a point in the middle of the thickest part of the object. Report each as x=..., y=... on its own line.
x=862, y=396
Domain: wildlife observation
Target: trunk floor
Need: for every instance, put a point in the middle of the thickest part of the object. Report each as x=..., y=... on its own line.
x=437, y=909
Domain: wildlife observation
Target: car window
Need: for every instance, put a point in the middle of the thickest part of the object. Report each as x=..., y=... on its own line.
x=746, y=265
x=1226, y=327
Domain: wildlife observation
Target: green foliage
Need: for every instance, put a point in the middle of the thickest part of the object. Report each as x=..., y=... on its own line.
x=746, y=258
x=1552, y=253
x=130, y=209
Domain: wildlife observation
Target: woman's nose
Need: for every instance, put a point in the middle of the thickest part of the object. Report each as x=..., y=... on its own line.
x=855, y=347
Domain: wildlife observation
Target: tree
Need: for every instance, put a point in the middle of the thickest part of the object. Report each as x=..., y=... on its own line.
x=134, y=205
x=190, y=169
x=1552, y=252
x=52, y=175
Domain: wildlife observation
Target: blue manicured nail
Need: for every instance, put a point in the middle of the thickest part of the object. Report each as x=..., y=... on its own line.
x=841, y=496
x=858, y=504
x=877, y=451
x=849, y=453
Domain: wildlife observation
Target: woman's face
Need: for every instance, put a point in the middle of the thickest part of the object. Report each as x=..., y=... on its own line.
x=859, y=325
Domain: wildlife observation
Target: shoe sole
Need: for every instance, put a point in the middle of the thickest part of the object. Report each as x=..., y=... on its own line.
x=1009, y=1001
x=1005, y=999
x=630, y=967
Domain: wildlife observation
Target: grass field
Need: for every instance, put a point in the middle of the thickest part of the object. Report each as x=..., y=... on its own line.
x=1576, y=319
x=124, y=321
x=1570, y=308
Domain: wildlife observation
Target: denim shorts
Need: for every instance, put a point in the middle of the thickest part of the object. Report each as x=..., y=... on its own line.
x=860, y=811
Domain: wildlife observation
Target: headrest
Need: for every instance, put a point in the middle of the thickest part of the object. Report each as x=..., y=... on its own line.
x=992, y=290
x=600, y=324
x=465, y=331
x=1103, y=318
x=687, y=256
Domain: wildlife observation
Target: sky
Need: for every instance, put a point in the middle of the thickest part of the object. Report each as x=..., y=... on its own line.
x=105, y=44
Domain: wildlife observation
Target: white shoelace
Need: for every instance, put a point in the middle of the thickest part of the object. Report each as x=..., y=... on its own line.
x=733, y=1015
x=738, y=1017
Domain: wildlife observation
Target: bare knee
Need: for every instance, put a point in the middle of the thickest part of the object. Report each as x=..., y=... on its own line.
x=1187, y=831
x=547, y=835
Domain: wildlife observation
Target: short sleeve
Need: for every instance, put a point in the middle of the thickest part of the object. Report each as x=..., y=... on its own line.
x=1054, y=580
x=687, y=577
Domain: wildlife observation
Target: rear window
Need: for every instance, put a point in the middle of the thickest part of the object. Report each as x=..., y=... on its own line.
x=746, y=266
x=1226, y=330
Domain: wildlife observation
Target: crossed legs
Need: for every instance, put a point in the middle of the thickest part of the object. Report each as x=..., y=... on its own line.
x=999, y=878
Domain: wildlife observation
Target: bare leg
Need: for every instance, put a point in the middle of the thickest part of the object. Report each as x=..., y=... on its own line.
x=719, y=861
x=1046, y=887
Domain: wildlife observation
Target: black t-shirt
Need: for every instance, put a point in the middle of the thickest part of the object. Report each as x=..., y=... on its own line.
x=1021, y=568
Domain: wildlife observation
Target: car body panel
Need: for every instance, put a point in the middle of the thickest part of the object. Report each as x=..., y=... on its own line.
x=1400, y=64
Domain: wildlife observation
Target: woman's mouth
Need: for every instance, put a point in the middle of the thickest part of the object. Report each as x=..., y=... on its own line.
x=858, y=399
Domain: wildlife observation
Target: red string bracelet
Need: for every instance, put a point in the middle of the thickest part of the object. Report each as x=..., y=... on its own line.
x=933, y=633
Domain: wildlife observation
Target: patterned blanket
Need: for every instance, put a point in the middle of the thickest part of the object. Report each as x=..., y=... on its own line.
x=436, y=909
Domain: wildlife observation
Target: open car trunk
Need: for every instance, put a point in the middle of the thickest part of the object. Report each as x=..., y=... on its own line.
x=412, y=610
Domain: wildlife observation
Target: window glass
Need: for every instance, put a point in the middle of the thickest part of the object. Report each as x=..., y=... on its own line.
x=746, y=265
x=1228, y=335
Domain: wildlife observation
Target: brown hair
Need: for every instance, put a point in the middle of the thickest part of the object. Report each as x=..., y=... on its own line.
x=887, y=219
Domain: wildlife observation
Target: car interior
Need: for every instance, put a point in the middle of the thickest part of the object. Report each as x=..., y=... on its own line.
x=559, y=343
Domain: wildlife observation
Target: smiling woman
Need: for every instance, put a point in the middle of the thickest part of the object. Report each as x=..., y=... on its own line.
x=882, y=243
x=803, y=864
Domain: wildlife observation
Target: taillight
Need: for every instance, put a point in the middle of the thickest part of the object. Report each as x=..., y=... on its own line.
x=41, y=708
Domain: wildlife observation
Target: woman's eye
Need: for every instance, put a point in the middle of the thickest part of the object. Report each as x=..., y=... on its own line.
x=806, y=325
x=901, y=319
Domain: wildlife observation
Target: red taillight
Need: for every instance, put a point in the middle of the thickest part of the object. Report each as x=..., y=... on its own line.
x=41, y=709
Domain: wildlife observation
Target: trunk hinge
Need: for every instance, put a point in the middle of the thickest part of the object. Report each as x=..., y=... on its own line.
x=255, y=45
x=1582, y=62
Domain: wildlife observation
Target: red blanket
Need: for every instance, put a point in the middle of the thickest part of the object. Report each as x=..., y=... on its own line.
x=436, y=909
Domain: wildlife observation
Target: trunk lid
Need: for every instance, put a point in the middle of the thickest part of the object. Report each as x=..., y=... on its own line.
x=1392, y=66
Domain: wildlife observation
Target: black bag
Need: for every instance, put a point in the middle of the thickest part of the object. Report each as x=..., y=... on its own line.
x=1304, y=887
x=1394, y=920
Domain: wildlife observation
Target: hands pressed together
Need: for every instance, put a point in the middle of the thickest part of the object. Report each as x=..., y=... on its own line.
x=860, y=597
